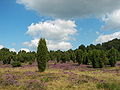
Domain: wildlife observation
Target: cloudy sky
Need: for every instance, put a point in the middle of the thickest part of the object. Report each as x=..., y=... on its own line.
x=64, y=24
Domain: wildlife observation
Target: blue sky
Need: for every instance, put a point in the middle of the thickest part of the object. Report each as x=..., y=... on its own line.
x=90, y=26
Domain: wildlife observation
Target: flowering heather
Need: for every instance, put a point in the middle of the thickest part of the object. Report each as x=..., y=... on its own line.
x=30, y=73
x=6, y=66
x=34, y=85
x=58, y=76
x=9, y=79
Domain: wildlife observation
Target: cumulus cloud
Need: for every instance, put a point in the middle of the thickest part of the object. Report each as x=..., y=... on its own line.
x=71, y=8
x=112, y=21
x=52, y=45
x=12, y=49
x=32, y=44
x=59, y=45
x=25, y=49
x=105, y=38
x=1, y=46
x=54, y=30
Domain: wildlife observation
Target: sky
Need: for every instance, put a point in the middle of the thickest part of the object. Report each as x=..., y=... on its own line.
x=65, y=24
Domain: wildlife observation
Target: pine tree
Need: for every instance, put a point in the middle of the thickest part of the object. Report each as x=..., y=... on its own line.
x=112, y=55
x=72, y=55
x=42, y=55
x=65, y=57
x=103, y=59
x=98, y=58
x=79, y=56
x=58, y=55
x=85, y=58
x=95, y=58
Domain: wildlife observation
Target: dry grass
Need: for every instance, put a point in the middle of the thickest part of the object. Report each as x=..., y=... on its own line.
x=59, y=78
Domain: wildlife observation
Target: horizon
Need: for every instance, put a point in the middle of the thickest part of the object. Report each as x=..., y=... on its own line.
x=64, y=25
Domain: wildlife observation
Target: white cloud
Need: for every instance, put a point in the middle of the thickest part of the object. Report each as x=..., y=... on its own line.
x=112, y=21
x=56, y=32
x=105, y=38
x=12, y=49
x=25, y=49
x=59, y=45
x=53, y=30
x=1, y=46
x=52, y=45
x=32, y=44
x=71, y=8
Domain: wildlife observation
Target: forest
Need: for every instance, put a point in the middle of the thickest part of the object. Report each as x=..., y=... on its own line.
x=99, y=56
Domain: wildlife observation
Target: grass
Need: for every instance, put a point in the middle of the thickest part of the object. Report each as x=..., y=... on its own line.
x=59, y=77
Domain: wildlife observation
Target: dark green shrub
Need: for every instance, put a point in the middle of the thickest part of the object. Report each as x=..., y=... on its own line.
x=85, y=58
x=65, y=57
x=42, y=55
x=79, y=56
x=30, y=62
x=98, y=58
x=112, y=56
x=16, y=63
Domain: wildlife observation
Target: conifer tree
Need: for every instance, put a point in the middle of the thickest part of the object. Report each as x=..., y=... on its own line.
x=95, y=58
x=42, y=55
x=79, y=56
x=85, y=58
x=112, y=55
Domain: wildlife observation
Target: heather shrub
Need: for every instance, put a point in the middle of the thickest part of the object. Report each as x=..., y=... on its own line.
x=34, y=85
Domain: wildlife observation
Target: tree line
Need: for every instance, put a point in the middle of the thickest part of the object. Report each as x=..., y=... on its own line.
x=100, y=55
x=15, y=59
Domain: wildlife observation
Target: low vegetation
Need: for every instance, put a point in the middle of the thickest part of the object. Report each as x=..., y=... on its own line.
x=94, y=67
x=60, y=76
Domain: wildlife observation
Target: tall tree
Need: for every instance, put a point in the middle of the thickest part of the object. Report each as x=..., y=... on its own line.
x=42, y=55
x=82, y=47
x=85, y=58
x=98, y=58
x=79, y=56
x=65, y=57
x=112, y=55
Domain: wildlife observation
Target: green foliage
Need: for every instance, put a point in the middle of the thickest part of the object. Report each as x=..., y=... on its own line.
x=55, y=55
x=24, y=56
x=94, y=57
x=6, y=56
x=98, y=58
x=30, y=62
x=109, y=86
x=58, y=55
x=65, y=57
x=113, y=43
x=91, y=47
x=79, y=56
x=72, y=55
x=52, y=55
x=85, y=58
x=16, y=63
x=42, y=55
x=112, y=55
x=82, y=47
